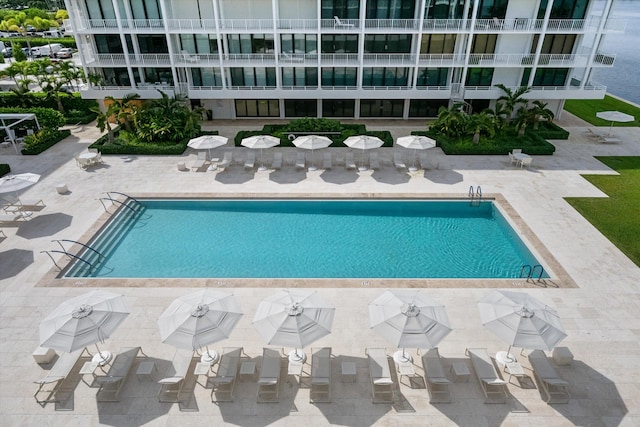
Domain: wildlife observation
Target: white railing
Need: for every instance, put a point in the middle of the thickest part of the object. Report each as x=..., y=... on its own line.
x=147, y=24
x=390, y=24
x=387, y=88
x=297, y=24
x=551, y=60
x=445, y=59
x=252, y=88
x=298, y=58
x=100, y=24
x=563, y=25
x=250, y=58
x=339, y=58
x=444, y=25
x=191, y=24
x=434, y=88
x=163, y=59
x=246, y=24
x=343, y=25
x=388, y=59
x=205, y=88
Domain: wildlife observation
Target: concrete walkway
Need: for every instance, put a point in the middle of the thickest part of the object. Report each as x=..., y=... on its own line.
x=600, y=315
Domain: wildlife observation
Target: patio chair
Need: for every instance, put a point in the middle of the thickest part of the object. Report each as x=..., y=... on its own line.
x=227, y=158
x=436, y=379
x=250, y=162
x=189, y=57
x=374, y=163
x=493, y=387
x=269, y=379
x=12, y=203
x=525, y=162
x=301, y=161
x=554, y=387
x=398, y=162
x=339, y=23
x=382, y=385
x=56, y=377
x=516, y=151
x=424, y=161
x=349, y=163
x=512, y=159
x=225, y=380
x=200, y=162
x=171, y=386
x=321, y=376
x=326, y=161
x=112, y=383
x=13, y=217
x=277, y=161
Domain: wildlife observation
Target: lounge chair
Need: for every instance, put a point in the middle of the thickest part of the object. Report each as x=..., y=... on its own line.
x=424, y=161
x=437, y=381
x=348, y=161
x=339, y=23
x=301, y=161
x=321, y=376
x=553, y=386
x=189, y=57
x=493, y=387
x=56, y=377
x=269, y=379
x=200, y=161
x=171, y=386
x=12, y=203
x=112, y=383
x=374, y=163
x=277, y=160
x=227, y=158
x=382, y=385
x=13, y=217
x=250, y=162
x=326, y=161
x=398, y=162
x=225, y=380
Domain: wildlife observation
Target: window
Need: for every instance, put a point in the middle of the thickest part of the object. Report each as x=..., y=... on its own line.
x=550, y=77
x=488, y=9
x=101, y=9
x=381, y=107
x=564, y=9
x=206, y=77
x=390, y=9
x=250, y=43
x=152, y=44
x=301, y=108
x=444, y=9
x=257, y=108
x=199, y=43
x=108, y=44
x=158, y=75
x=426, y=107
x=145, y=9
x=248, y=76
x=385, y=76
x=298, y=43
x=343, y=9
x=438, y=43
x=387, y=43
x=479, y=77
x=339, y=76
x=338, y=107
x=339, y=43
x=484, y=43
x=433, y=77
x=116, y=77
x=555, y=43
x=299, y=76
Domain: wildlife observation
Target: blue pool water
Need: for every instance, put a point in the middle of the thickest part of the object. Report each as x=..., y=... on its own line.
x=309, y=239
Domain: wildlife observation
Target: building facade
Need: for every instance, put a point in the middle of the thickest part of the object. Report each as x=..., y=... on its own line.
x=341, y=58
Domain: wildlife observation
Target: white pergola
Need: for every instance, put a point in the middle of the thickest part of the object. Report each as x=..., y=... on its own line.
x=15, y=119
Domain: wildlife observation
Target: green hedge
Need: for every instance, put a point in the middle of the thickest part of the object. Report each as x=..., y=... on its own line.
x=40, y=41
x=4, y=169
x=120, y=146
x=81, y=119
x=47, y=117
x=39, y=142
x=501, y=144
x=72, y=103
x=550, y=130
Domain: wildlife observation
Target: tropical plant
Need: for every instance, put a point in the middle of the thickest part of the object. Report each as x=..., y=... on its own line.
x=499, y=114
x=523, y=119
x=479, y=123
x=511, y=99
x=124, y=110
x=17, y=22
x=451, y=121
x=540, y=112
x=102, y=120
x=167, y=119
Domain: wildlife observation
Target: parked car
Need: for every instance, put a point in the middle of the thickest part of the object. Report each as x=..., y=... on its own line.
x=7, y=52
x=65, y=52
x=46, y=50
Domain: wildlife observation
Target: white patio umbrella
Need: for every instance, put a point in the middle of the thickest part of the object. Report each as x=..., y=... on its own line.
x=364, y=142
x=194, y=321
x=294, y=318
x=84, y=320
x=207, y=142
x=416, y=143
x=408, y=318
x=614, y=116
x=312, y=142
x=261, y=142
x=12, y=183
x=521, y=320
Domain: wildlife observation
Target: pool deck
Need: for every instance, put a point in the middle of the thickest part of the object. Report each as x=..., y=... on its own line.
x=598, y=300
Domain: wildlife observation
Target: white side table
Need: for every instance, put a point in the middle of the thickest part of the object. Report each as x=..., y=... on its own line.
x=89, y=368
x=43, y=355
x=202, y=368
x=460, y=372
x=562, y=356
x=247, y=369
x=349, y=372
x=514, y=369
x=145, y=370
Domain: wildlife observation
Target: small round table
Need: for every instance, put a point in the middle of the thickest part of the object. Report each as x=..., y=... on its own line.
x=502, y=357
x=209, y=356
x=298, y=356
x=102, y=358
x=88, y=156
x=401, y=356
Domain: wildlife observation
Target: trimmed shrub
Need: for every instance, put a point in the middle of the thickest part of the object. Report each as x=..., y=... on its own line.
x=550, y=130
x=39, y=142
x=47, y=117
x=500, y=144
x=70, y=103
x=40, y=41
x=125, y=144
x=4, y=169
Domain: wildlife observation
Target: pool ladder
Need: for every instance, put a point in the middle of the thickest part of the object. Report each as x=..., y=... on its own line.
x=476, y=197
x=92, y=266
x=111, y=199
x=527, y=271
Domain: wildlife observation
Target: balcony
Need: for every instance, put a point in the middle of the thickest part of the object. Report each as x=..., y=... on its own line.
x=249, y=59
x=339, y=59
x=391, y=59
x=392, y=25
x=441, y=59
x=340, y=25
x=445, y=25
x=248, y=25
x=545, y=60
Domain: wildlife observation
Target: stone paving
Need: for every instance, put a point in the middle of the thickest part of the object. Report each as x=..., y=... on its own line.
x=600, y=314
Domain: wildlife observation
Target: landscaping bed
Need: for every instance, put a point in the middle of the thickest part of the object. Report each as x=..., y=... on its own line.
x=121, y=146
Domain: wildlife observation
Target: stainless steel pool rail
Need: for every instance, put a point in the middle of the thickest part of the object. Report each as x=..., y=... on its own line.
x=120, y=202
x=475, y=196
x=531, y=271
x=64, y=251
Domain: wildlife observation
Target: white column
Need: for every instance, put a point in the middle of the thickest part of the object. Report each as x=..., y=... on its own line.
x=123, y=40
x=597, y=41
x=472, y=28
x=543, y=33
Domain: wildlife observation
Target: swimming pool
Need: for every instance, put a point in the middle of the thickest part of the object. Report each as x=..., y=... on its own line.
x=308, y=239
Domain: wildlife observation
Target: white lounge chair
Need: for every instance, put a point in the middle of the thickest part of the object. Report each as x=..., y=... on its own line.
x=112, y=383
x=339, y=23
x=326, y=161
x=398, y=162
x=57, y=376
x=171, y=386
x=424, y=161
x=277, y=161
x=382, y=385
x=269, y=379
x=512, y=159
x=553, y=386
x=301, y=161
x=189, y=57
x=493, y=387
x=437, y=381
x=321, y=376
x=200, y=161
x=13, y=217
x=374, y=163
x=225, y=380
x=250, y=161
x=227, y=158
x=349, y=163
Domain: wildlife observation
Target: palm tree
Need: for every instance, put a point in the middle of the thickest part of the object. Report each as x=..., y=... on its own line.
x=511, y=99
x=123, y=110
x=523, y=119
x=450, y=121
x=479, y=123
x=102, y=120
x=540, y=112
x=17, y=22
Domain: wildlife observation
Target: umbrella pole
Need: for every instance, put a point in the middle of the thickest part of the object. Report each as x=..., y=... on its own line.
x=512, y=359
x=415, y=159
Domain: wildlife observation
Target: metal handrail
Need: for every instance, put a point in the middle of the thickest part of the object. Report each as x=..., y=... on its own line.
x=77, y=243
x=69, y=255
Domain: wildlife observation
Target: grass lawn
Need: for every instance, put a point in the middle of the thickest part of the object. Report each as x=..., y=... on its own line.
x=617, y=216
x=586, y=109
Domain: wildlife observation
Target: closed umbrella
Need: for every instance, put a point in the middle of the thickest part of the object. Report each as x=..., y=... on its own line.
x=84, y=320
x=294, y=318
x=261, y=142
x=312, y=142
x=416, y=143
x=207, y=142
x=408, y=318
x=364, y=142
x=614, y=116
x=521, y=320
x=198, y=319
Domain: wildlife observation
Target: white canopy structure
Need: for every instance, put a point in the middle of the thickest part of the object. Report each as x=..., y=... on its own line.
x=15, y=119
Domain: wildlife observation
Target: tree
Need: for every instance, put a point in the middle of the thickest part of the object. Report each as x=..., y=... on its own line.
x=511, y=99
x=451, y=121
x=524, y=118
x=17, y=22
x=167, y=119
x=540, y=112
x=479, y=123
x=124, y=110
x=102, y=120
